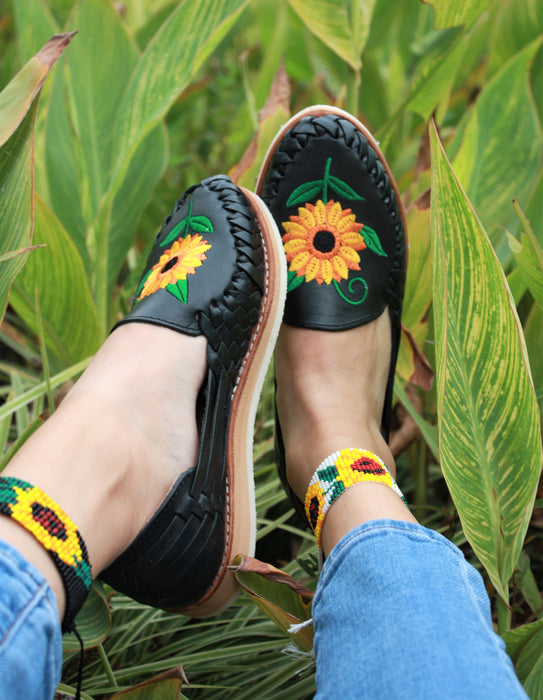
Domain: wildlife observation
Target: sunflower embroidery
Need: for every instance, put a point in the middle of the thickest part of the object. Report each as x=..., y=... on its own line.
x=173, y=267
x=322, y=242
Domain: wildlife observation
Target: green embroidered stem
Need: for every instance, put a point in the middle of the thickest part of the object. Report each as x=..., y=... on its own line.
x=355, y=302
x=325, y=181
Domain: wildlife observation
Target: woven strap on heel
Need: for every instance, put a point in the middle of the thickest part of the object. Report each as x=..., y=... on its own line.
x=34, y=510
x=337, y=473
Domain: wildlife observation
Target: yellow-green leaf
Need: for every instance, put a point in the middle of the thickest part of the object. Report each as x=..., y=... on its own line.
x=529, y=257
x=58, y=273
x=343, y=25
x=279, y=596
x=18, y=110
x=499, y=159
x=488, y=419
x=173, y=56
x=450, y=13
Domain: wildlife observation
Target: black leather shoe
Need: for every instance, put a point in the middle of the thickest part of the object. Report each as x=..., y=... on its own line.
x=216, y=269
x=335, y=202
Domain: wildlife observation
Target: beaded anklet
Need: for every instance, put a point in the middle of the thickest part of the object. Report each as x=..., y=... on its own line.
x=48, y=523
x=336, y=473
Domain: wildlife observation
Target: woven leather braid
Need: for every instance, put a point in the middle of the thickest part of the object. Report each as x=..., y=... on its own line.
x=342, y=130
x=182, y=550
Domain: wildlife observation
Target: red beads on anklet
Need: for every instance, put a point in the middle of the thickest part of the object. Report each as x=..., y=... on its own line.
x=34, y=510
x=337, y=473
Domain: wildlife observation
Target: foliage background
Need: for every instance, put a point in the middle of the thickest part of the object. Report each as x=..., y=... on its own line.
x=150, y=97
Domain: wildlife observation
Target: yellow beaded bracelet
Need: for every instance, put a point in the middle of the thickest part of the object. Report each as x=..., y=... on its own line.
x=34, y=510
x=336, y=473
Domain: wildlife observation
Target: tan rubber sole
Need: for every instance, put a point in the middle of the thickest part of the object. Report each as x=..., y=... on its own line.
x=240, y=517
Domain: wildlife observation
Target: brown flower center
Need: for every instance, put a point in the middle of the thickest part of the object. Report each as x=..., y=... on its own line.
x=324, y=241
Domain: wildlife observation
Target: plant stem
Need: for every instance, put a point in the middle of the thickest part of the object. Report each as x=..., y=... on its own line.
x=504, y=615
x=107, y=666
x=353, y=87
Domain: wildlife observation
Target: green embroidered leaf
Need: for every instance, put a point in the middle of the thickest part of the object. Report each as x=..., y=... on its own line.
x=305, y=192
x=342, y=188
x=200, y=224
x=176, y=232
x=372, y=241
x=179, y=290
x=293, y=280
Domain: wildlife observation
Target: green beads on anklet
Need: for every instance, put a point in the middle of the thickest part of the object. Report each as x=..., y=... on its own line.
x=337, y=473
x=34, y=510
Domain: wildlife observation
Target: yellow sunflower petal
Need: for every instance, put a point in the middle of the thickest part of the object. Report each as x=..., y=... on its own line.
x=347, y=222
x=320, y=213
x=298, y=262
x=353, y=240
x=350, y=256
x=294, y=245
x=294, y=230
x=306, y=217
x=334, y=212
x=312, y=270
x=327, y=271
x=340, y=267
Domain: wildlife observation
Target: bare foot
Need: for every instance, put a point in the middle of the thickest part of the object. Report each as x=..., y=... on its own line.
x=118, y=441
x=330, y=395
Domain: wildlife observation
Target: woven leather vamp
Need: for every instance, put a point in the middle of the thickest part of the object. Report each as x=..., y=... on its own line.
x=177, y=556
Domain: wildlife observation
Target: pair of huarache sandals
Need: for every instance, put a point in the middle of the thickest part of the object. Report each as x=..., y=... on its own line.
x=217, y=268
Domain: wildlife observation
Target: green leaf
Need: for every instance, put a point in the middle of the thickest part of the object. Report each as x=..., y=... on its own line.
x=93, y=621
x=516, y=24
x=171, y=59
x=372, y=240
x=529, y=257
x=342, y=188
x=533, y=331
x=429, y=432
x=18, y=110
x=418, y=284
x=100, y=66
x=488, y=420
x=279, y=596
x=58, y=273
x=180, y=290
x=499, y=159
x=304, y=193
x=450, y=13
x=343, y=25
x=525, y=647
x=293, y=280
x=200, y=224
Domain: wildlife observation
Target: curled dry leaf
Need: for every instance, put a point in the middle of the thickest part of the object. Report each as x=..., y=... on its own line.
x=423, y=374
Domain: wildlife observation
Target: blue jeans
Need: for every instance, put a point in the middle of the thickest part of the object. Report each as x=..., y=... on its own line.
x=398, y=614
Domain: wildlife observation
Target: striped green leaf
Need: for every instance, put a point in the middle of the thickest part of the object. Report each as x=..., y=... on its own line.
x=500, y=156
x=343, y=25
x=18, y=110
x=69, y=314
x=173, y=56
x=450, y=13
x=489, y=430
x=529, y=258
